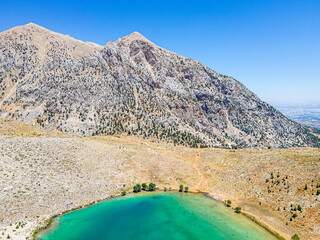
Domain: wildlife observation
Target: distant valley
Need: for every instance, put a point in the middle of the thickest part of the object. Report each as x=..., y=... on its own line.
x=305, y=114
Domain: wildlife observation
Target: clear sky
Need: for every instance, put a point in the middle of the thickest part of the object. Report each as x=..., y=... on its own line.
x=271, y=46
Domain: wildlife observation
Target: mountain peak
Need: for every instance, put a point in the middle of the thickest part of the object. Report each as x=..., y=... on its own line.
x=31, y=24
x=133, y=37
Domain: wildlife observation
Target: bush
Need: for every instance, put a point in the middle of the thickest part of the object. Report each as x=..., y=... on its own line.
x=238, y=209
x=137, y=188
x=144, y=186
x=295, y=237
x=181, y=188
x=152, y=187
x=186, y=189
x=299, y=208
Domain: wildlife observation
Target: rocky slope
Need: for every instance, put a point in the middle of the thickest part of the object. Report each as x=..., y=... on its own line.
x=133, y=87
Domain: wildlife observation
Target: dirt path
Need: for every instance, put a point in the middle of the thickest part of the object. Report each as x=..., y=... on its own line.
x=199, y=186
x=196, y=166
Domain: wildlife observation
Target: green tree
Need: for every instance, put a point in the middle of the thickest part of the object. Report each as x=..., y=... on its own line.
x=299, y=208
x=306, y=187
x=123, y=193
x=238, y=209
x=152, y=187
x=144, y=186
x=137, y=188
x=186, y=189
x=228, y=203
x=295, y=237
x=181, y=188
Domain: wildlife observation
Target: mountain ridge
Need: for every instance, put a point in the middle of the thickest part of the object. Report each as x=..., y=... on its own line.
x=132, y=86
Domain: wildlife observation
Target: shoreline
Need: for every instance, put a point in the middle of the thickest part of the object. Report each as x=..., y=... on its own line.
x=49, y=223
x=250, y=217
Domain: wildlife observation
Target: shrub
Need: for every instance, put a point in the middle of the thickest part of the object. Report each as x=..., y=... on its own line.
x=295, y=237
x=299, y=208
x=238, y=209
x=144, y=186
x=152, y=187
x=137, y=188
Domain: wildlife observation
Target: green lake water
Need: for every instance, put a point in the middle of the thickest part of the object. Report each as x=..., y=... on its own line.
x=165, y=216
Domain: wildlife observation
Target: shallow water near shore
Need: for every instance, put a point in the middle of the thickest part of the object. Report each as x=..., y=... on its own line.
x=154, y=216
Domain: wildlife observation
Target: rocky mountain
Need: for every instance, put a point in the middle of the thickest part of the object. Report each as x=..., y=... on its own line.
x=133, y=87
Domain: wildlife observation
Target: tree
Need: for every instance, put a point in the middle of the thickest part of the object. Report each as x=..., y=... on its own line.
x=181, y=188
x=306, y=187
x=144, y=186
x=228, y=203
x=299, y=208
x=294, y=215
x=123, y=193
x=137, y=188
x=186, y=189
x=238, y=209
x=295, y=237
x=152, y=187
x=165, y=189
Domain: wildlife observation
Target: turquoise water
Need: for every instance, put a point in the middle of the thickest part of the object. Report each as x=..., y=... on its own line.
x=170, y=216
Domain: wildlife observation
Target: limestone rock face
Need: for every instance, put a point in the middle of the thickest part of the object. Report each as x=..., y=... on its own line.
x=134, y=87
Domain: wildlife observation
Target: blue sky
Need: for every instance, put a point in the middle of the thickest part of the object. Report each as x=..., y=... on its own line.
x=271, y=46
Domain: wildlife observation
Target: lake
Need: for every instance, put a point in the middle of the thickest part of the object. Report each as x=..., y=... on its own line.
x=152, y=216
